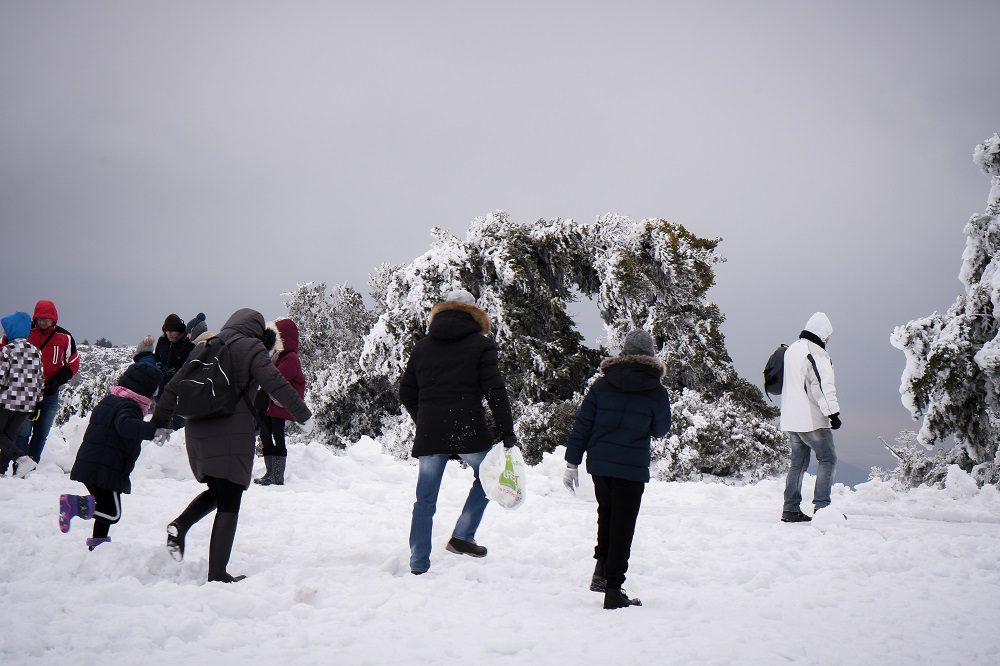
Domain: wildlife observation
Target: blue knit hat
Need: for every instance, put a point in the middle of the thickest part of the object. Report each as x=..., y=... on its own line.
x=16, y=325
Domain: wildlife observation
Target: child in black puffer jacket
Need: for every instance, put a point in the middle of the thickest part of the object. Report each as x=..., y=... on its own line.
x=110, y=447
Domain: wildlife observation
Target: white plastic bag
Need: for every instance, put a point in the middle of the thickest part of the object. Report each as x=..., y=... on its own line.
x=502, y=474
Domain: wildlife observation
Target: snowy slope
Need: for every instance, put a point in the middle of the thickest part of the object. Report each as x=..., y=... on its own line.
x=910, y=578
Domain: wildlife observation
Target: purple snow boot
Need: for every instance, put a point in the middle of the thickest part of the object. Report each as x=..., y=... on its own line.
x=94, y=542
x=78, y=506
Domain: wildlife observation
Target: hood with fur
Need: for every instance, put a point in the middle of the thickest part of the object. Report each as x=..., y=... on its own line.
x=634, y=372
x=288, y=335
x=452, y=320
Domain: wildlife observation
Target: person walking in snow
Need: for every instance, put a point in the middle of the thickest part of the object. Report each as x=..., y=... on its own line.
x=60, y=361
x=221, y=450
x=273, y=416
x=809, y=414
x=447, y=376
x=110, y=448
x=622, y=411
x=22, y=386
x=172, y=350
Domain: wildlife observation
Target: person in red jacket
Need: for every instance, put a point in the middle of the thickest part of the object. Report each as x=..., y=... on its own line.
x=60, y=361
x=272, y=415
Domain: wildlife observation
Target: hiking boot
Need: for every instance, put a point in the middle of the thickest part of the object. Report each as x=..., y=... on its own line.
x=94, y=542
x=598, y=583
x=23, y=465
x=463, y=547
x=74, y=506
x=794, y=517
x=616, y=597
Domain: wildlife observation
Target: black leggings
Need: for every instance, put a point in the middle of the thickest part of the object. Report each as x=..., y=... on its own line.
x=272, y=435
x=108, y=509
x=227, y=494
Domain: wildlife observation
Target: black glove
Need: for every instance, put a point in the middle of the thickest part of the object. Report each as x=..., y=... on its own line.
x=835, y=421
x=510, y=441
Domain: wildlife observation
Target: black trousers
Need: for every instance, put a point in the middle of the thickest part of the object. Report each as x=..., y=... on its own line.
x=10, y=424
x=107, y=509
x=618, y=503
x=272, y=435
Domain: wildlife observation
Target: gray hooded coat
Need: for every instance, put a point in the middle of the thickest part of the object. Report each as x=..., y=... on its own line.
x=224, y=447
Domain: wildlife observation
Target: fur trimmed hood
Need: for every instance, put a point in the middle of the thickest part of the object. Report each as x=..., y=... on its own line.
x=478, y=314
x=279, y=345
x=651, y=361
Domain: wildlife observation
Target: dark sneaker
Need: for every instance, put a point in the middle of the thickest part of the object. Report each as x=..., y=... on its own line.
x=462, y=547
x=794, y=517
x=617, y=598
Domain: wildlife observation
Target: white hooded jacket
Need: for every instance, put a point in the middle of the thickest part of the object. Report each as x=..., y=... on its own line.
x=809, y=392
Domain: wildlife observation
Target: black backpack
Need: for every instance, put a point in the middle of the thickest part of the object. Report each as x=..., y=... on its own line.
x=774, y=372
x=204, y=384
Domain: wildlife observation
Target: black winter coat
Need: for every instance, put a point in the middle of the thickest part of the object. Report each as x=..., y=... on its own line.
x=448, y=374
x=111, y=444
x=171, y=356
x=622, y=411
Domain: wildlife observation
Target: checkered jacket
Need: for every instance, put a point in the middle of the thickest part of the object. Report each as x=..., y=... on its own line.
x=21, y=379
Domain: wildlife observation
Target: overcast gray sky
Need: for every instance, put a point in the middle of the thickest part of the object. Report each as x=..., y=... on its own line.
x=206, y=156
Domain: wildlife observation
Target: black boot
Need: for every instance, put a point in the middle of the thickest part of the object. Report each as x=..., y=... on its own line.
x=615, y=597
x=277, y=477
x=598, y=583
x=266, y=479
x=200, y=506
x=221, y=546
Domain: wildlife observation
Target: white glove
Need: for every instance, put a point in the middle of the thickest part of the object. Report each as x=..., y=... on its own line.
x=571, y=478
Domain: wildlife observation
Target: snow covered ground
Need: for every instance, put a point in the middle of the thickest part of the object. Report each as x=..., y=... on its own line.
x=909, y=578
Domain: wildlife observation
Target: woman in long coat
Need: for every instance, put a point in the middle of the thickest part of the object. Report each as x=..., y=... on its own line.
x=221, y=450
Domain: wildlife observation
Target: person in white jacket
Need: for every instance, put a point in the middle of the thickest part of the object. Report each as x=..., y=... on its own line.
x=809, y=414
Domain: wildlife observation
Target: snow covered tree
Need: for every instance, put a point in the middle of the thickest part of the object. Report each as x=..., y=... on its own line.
x=652, y=274
x=332, y=327
x=952, y=374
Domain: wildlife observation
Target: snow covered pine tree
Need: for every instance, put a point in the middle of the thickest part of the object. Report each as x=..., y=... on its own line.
x=952, y=375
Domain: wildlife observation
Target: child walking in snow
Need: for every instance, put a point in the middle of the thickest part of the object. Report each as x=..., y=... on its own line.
x=21, y=388
x=110, y=447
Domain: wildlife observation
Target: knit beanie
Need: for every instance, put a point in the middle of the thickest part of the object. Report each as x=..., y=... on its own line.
x=461, y=296
x=197, y=326
x=16, y=325
x=142, y=378
x=144, y=347
x=638, y=342
x=173, y=323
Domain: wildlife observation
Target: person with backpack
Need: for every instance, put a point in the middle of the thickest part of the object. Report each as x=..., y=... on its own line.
x=22, y=385
x=111, y=445
x=809, y=415
x=60, y=361
x=448, y=374
x=220, y=448
x=626, y=407
x=273, y=416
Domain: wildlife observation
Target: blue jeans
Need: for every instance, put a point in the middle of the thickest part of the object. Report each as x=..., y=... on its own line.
x=820, y=441
x=431, y=471
x=31, y=438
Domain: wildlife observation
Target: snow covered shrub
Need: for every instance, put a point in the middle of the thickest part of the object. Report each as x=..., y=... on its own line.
x=346, y=402
x=952, y=374
x=100, y=369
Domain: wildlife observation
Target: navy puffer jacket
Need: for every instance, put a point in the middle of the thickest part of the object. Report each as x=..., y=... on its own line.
x=112, y=441
x=622, y=411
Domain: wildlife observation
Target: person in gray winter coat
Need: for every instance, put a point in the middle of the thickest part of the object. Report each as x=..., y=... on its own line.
x=221, y=450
